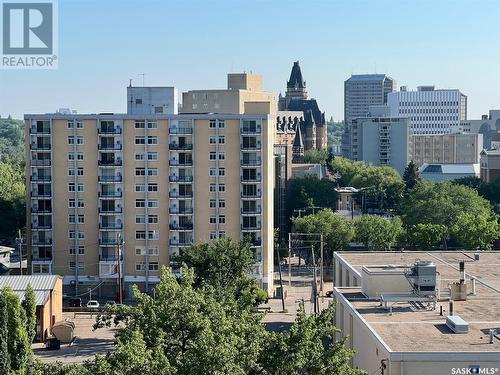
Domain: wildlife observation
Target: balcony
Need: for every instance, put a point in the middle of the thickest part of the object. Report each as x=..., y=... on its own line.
x=255, y=243
x=108, y=241
x=180, y=211
x=187, y=226
x=108, y=268
x=41, y=241
x=178, y=146
x=255, y=211
x=250, y=129
x=41, y=226
x=105, y=130
x=110, y=226
x=181, y=131
x=40, y=162
x=110, y=163
x=251, y=227
x=35, y=146
x=254, y=195
x=181, y=242
x=110, y=178
x=251, y=162
x=116, y=146
x=38, y=130
x=38, y=178
x=108, y=258
x=41, y=194
x=250, y=147
x=116, y=210
x=178, y=163
x=174, y=194
x=247, y=180
x=37, y=210
x=180, y=178
x=110, y=194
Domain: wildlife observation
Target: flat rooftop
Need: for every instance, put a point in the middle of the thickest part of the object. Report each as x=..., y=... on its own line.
x=413, y=327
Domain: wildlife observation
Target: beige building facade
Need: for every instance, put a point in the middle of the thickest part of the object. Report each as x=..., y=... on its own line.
x=150, y=185
x=452, y=148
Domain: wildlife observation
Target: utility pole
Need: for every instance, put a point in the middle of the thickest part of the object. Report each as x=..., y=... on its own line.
x=90, y=294
x=289, y=260
x=321, y=271
x=315, y=282
x=281, y=279
x=20, y=240
x=119, y=243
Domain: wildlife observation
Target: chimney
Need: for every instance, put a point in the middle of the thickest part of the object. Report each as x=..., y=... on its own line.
x=451, y=308
x=462, y=272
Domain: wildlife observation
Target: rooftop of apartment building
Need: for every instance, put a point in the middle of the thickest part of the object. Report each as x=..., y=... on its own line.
x=414, y=327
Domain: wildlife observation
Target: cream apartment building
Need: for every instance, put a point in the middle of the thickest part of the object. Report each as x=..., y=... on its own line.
x=150, y=185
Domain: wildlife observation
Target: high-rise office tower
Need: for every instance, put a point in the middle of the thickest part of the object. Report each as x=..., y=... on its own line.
x=146, y=186
x=430, y=111
x=360, y=92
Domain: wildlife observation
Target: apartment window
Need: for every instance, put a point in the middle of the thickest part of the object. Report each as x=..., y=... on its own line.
x=139, y=251
x=212, y=155
x=212, y=124
x=140, y=267
x=153, y=188
x=71, y=203
x=140, y=203
x=72, y=235
x=81, y=203
x=71, y=219
x=153, y=266
x=140, y=140
x=153, y=172
x=139, y=188
x=81, y=250
x=222, y=219
x=212, y=171
x=222, y=203
x=81, y=219
x=212, y=188
x=222, y=124
x=71, y=187
x=139, y=156
x=212, y=139
x=71, y=140
x=71, y=156
x=152, y=156
x=81, y=266
x=80, y=171
x=213, y=220
x=153, y=219
x=222, y=156
x=153, y=235
x=152, y=140
x=153, y=251
x=213, y=203
x=222, y=171
x=139, y=125
x=138, y=101
x=140, y=235
x=154, y=124
x=80, y=188
x=140, y=172
x=213, y=235
x=158, y=109
x=71, y=172
x=79, y=156
x=222, y=139
x=222, y=188
x=140, y=219
x=153, y=203
x=222, y=234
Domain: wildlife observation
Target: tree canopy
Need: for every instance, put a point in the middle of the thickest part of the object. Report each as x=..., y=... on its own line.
x=377, y=232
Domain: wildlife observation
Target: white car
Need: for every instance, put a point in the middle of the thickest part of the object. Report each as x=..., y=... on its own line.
x=92, y=304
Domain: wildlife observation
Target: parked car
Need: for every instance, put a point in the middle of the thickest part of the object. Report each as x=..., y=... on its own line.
x=93, y=304
x=75, y=302
x=110, y=303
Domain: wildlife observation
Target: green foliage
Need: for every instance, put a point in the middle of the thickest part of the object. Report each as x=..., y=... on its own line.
x=311, y=192
x=12, y=141
x=12, y=200
x=410, y=176
x=314, y=156
x=378, y=233
x=29, y=306
x=446, y=204
x=4, y=350
x=18, y=344
x=334, y=131
x=489, y=191
x=337, y=232
x=475, y=232
x=426, y=236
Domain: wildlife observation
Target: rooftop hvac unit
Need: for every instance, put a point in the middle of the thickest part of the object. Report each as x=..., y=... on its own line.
x=457, y=324
x=422, y=276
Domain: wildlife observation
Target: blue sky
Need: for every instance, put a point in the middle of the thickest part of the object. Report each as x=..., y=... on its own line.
x=193, y=44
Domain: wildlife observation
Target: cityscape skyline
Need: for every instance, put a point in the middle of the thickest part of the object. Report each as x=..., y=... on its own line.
x=399, y=49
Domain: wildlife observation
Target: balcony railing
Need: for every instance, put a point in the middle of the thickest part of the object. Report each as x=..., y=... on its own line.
x=250, y=147
x=110, y=226
x=35, y=146
x=110, y=178
x=255, y=211
x=116, y=210
x=181, y=242
x=250, y=129
x=115, y=130
x=254, y=179
x=188, y=226
x=40, y=162
x=178, y=146
x=174, y=194
x=252, y=227
x=108, y=241
x=116, y=146
x=110, y=194
x=251, y=162
x=180, y=178
x=254, y=195
x=181, y=163
x=38, y=210
x=105, y=163
x=41, y=241
x=38, y=178
x=36, y=130
x=108, y=258
x=41, y=194
x=41, y=226
x=181, y=130
x=41, y=259
x=180, y=211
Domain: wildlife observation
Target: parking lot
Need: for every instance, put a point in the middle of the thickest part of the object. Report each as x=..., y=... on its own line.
x=86, y=345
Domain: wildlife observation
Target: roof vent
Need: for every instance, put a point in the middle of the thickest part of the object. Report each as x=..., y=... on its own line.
x=457, y=324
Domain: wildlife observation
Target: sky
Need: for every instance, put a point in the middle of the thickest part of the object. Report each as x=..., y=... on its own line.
x=194, y=44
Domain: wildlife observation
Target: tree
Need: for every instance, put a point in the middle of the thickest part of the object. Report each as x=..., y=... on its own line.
x=337, y=232
x=12, y=200
x=4, y=350
x=29, y=305
x=378, y=233
x=311, y=192
x=475, y=232
x=426, y=236
x=314, y=156
x=18, y=344
x=410, y=176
